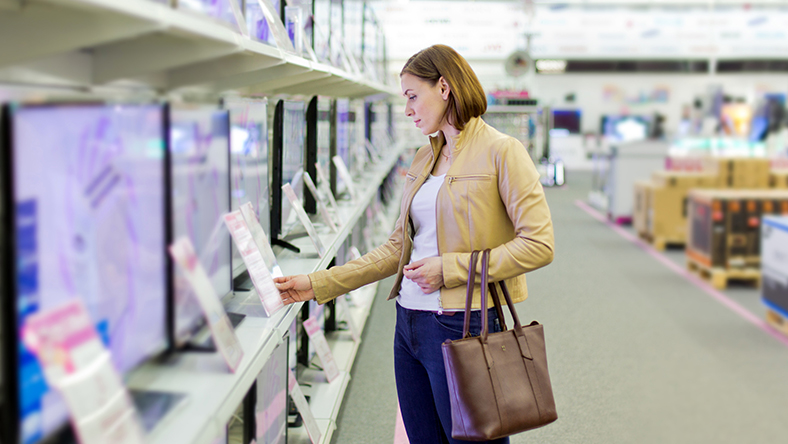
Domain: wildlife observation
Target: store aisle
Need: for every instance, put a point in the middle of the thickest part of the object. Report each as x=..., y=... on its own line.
x=637, y=353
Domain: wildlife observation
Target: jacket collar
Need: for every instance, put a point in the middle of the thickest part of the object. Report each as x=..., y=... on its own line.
x=472, y=128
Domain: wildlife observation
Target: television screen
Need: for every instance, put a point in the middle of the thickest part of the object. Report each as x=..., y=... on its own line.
x=324, y=133
x=89, y=222
x=568, y=120
x=336, y=35
x=321, y=16
x=200, y=196
x=342, y=119
x=625, y=128
x=248, y=162
x=293, y=151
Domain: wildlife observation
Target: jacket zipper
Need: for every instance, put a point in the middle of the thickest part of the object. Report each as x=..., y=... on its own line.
x=461, y=178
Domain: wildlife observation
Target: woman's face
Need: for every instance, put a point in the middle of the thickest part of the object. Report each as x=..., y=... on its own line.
x=425, y=104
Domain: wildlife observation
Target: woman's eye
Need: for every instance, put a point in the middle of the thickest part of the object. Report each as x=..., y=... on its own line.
x=412, y=97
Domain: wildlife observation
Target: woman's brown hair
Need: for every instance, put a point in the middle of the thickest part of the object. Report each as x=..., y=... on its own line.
x=466, y=98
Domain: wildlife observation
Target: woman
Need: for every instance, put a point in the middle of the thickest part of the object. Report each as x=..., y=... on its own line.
x=470, y=189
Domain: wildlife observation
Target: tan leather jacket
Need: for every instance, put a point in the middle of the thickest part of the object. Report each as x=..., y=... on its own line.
x=490, y=198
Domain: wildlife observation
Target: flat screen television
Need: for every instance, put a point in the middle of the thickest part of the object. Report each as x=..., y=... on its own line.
x=199, y=149
x=343, y=137
x=248, y=162
x=337, y=35
x=86, y=218
x=318, y=143
x=625, y=128
x=568, y=120
x=321, y=18
x=287, y=166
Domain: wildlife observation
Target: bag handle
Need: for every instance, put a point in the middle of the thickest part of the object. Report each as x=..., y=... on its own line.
x=466, y=326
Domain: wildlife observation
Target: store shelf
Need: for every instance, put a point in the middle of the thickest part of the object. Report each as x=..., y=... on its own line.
x=213, y=393
x=155, y=45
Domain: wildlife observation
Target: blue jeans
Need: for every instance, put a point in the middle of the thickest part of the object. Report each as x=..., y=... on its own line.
x=421, y=377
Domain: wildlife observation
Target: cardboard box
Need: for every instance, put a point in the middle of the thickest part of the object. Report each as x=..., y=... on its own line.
x=778, y=179
x=683, y=179
x=774, y=263
x=668, y=215
x=724, y=225
x=743, y=172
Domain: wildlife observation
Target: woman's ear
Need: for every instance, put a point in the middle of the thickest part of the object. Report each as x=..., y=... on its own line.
x=445, y=88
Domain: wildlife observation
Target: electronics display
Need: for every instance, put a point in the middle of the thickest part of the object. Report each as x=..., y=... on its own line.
x=354, y=22
x=200, y=195
x=370, y=42
x=321, y=18
x=218, y=9
x=256, y=23
x=89, y=222
x=287, y=150
x=318, y=143
x=567, y=120
x=625, y=128
x=736, y=119
x=336, y=36
x=271, y=396
x=343, y=135
x=248, y=162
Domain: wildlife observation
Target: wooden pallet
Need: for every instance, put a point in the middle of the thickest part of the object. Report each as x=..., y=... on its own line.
x=719, y=277
x=660, y=242
x=777, y=321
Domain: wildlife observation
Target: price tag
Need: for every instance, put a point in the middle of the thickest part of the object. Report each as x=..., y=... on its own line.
x=261, y=239
x=303, y=408
x=354, y=332
x=344, y=174
x=182, y=251
x=320, y=204
x=299, y=209
x=76, y=363
x=258, y=271
x=321, y=348
x=323, y=184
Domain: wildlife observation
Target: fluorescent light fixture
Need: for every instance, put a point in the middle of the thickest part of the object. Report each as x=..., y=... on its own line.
x=551, y=66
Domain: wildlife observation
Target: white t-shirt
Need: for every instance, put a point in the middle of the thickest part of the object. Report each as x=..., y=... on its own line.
x=425, y=244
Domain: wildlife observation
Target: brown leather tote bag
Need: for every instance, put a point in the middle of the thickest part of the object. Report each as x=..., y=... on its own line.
x=498, y=382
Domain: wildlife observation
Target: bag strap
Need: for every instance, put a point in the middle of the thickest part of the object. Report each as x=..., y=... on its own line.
x=466, y=326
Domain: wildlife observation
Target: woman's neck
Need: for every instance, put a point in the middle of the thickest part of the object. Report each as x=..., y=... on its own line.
x=450, y=133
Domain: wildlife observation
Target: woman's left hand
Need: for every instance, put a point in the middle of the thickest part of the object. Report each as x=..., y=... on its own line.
x=427, y=273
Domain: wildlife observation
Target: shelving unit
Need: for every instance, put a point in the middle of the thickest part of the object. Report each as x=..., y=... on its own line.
x=133, y=43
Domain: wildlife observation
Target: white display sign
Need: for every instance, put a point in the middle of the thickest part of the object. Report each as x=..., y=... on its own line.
x=182, y=251
x=261, y=239
x=320, y=204
x=299, y=209
x=76, y=364
x=345, y=306
x=303, y=408
x=322, y=349
x=344, y=174
x=323, y=184
x=258, y=271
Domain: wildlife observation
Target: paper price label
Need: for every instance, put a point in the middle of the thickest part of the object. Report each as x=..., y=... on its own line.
x=344, y=174
x=261, y=239
x=258, y=271
x=182, y=251
x=323, y=183
x=303, y=408
x=299, y=209
x=354, y=331
x=77, y=365
x=321, y=348
x=320, y=204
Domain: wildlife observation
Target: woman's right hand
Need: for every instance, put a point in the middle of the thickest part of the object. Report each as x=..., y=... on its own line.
x=297, y=288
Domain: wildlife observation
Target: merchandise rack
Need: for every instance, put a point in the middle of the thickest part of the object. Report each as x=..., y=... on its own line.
x=86, y=43
x=213, y=394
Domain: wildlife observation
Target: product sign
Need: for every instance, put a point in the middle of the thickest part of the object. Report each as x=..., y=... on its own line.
x=354, y=331
x=323, y=184
x=344, y=174
x=76, y=363
x=322, y=349
x=258, y=271
x=320, y=204
x=182, y=251
x=299, y=209
x=303, y=408
x=261, y=239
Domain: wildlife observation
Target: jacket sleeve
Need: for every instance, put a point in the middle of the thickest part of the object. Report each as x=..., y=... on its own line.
x=378, y=264
x=524, y=199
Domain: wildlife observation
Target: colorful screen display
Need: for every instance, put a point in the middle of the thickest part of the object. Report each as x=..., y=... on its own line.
x=248, y=162
x=90, y=224
x=294, y=149
x=200, y=170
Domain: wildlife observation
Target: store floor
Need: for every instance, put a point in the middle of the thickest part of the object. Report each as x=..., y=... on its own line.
x=637, y=353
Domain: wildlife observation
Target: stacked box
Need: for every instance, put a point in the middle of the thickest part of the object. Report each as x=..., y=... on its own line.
x=742, y=172
x=666, y=217
x=724, y=225
x=774, y=263
x=778, y=179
